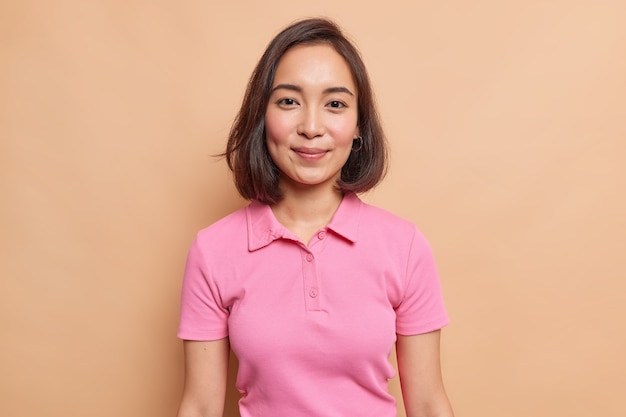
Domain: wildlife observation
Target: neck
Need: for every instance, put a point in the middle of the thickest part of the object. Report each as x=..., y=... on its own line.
x=304, y=211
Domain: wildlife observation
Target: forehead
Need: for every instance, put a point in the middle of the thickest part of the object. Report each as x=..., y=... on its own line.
x=313, y=64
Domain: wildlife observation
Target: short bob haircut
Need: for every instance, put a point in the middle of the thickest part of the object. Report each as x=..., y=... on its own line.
x=255, y=174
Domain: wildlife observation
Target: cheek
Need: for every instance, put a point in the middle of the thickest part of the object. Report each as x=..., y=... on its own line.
x=276, y=128
x=344, y=129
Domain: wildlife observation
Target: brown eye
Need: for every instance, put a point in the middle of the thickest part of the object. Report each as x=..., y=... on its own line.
x=287, y=102
x=336, y=104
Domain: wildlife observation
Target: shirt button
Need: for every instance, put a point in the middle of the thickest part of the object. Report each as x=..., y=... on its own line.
x=309, y=257
x=313, y=293
x=321, y=235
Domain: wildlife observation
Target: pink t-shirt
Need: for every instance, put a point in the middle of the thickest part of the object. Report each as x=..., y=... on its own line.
x=312, y=326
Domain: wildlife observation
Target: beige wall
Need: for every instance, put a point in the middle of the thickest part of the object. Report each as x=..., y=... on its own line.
x=508, y=132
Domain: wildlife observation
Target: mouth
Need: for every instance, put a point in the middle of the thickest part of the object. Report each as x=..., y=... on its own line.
x=310, y=154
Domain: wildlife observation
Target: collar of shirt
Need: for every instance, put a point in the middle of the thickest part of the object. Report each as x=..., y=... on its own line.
x=263, y=228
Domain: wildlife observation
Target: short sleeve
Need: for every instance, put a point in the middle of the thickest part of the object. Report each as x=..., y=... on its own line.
x=422, y=309
x=202, y=315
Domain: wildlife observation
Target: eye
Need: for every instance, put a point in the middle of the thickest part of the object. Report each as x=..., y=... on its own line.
x=335, y=104
x=287, y=102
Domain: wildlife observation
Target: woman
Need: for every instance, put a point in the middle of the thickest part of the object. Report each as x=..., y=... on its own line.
x=309, y=286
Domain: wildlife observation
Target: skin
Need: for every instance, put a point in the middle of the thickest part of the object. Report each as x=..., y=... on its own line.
x=206, y=370
x=311, y=122
x=419, y=366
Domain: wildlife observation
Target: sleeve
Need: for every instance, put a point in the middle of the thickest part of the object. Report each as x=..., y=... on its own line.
x=422, y=309
x=202, y=315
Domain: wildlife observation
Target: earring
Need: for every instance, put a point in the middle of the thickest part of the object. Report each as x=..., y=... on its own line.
x=358, y=148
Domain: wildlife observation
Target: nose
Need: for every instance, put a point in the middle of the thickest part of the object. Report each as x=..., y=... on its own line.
x=311, y=124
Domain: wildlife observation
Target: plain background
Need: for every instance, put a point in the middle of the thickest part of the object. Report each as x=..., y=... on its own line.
x=506, y=121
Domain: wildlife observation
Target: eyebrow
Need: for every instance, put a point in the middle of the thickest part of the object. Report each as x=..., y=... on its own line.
x=298, y=89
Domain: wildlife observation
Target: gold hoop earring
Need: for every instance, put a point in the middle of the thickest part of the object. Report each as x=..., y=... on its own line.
x=358, y=148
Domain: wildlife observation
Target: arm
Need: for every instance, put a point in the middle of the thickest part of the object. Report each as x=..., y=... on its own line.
x=206, y=368
x=419, y=367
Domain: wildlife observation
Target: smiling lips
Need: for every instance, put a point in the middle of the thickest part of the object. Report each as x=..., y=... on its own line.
x=310, y=154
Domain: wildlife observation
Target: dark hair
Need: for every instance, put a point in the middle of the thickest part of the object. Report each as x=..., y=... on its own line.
x=255, y=174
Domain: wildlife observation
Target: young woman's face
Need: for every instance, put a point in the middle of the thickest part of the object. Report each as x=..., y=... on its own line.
x=311, y=116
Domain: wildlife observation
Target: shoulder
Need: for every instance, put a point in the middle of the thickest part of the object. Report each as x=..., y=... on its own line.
x=388, y=226
x=225, y=230
x=224, y=240
x=380, y=218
